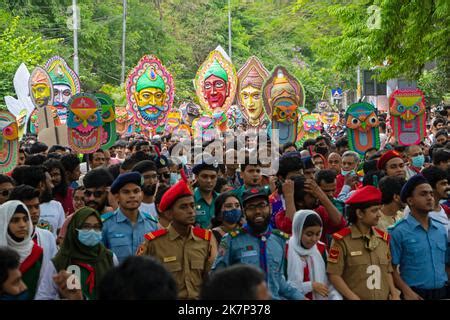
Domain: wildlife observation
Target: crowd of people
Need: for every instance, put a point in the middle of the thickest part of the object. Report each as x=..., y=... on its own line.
x=138, y=221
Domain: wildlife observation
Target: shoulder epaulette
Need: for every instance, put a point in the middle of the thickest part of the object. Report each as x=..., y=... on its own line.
x=106, y=216
x=386, y=237
x=281, y=234
x=342, y=233
x=204, y=234
x=155, y=234
x=150, y=217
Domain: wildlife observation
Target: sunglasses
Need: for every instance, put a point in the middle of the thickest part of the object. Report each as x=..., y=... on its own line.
x=97, y=193
x=5, y=193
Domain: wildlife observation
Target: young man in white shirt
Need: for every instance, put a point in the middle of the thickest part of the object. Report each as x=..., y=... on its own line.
x=148, y=171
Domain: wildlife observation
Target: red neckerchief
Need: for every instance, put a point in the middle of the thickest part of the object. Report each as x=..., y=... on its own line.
x=90, y=281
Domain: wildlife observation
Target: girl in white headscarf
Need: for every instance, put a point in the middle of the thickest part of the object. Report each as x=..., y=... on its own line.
x=307, y=256
x=16, y=231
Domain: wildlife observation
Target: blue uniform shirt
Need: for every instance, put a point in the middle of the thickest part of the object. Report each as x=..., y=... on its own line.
x=240, y=246
x=123, y=238
x=422, y=255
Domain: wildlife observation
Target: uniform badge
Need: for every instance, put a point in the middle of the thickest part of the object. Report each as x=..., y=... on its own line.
x=170, y=259
x=334, y=255
x=356, y=253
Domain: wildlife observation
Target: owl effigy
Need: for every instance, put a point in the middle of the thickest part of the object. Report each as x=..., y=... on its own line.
x=109, y=120
x=362, y=127
x=408, y=117
x=309, y=127
x=9, y=142
x=84, y=123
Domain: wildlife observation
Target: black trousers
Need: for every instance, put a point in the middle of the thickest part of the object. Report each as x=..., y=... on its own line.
x=433, y=294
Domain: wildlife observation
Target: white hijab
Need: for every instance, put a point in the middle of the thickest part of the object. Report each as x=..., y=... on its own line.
x=316, y=264
x=24, y=247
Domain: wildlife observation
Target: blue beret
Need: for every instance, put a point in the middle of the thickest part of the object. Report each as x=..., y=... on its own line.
x=410, y=185
x=123, y=179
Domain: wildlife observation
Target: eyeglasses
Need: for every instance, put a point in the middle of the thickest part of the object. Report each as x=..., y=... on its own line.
x=253, y=207
x=231, y=206
x=96, y=193
x=5, y=193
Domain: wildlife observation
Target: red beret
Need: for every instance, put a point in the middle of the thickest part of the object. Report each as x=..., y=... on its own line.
x=391, y=154
x=176, y=191
x=367, y=194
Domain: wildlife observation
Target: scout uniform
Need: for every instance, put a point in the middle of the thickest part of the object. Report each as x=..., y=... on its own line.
x=363, y=261
x=188, y=259
x=266, y=251
x=31, y=269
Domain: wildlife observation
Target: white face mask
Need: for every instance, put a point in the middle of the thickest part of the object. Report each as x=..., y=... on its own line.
x=344, y=173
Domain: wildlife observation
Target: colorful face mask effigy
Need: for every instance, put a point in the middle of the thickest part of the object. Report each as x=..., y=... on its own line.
x=173, y=121
x=122, y=120
x=329, y=118
x=41, y=88
x=84, y=123
x=150, y=92
x=109, y=120
x=408, y=116
x=309, y=127
x=189, y=112
x=251, y=78
x=65, y=84
x=283, y=94
x=204, y=128
x=9, y=142
x=215, y=82
x=362, y=127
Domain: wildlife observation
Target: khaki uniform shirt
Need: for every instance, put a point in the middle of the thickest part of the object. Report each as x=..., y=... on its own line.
x=364, y=270
x=386, y=221
x=188, y=259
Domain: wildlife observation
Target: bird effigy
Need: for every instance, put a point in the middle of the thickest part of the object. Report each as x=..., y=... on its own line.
x=408, y=116
x=309, y=127
x=362, y=127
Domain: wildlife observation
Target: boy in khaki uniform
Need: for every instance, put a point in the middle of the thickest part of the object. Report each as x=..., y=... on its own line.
x=186, y=251
x=359, y=263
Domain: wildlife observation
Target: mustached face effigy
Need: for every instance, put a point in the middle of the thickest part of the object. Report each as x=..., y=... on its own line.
x=408, y=117
x=362, y=127
x=109, y=120
x=282, y=96
x=9, y=142
x=150, y=92
x=309, y=127
x=84, y=123
x=251, y=78
x=65, y=84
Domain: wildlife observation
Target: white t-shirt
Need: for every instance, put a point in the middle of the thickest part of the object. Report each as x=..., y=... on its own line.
x=52, y=216
x=149, y=208
x=47, y=241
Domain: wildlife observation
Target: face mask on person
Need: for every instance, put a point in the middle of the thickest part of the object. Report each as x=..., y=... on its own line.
x=232, y=216
x=418, y=161
x=18, y=297
x=344, y=172
x=174, y=177
x=89, y=238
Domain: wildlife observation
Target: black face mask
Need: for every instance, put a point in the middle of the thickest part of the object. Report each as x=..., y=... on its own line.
x=149, y=190
x=322, y=150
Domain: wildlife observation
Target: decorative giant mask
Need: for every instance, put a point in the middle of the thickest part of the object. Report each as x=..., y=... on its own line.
x=408, y=118
x=362, y=127
x=150, y=91
x=329, y=118
x=309, y=128
x=84, y=123
x=251, y=78
x=122, y=120
x=65, y=84
x=282, y=95
x=109, y=120
x=215, y=82
x=189, y=112
x=9, y=143
x=173, y=120
x=41, y=88
x=204, y=128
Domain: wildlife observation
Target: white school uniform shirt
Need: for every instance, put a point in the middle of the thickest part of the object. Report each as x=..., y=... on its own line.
x=52, y=216
x=47, y=241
